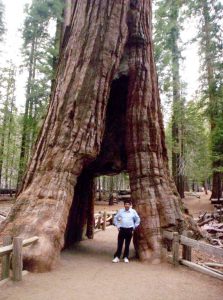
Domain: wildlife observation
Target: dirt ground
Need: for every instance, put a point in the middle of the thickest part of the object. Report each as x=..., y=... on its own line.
x=198, y=205
x=86, y=272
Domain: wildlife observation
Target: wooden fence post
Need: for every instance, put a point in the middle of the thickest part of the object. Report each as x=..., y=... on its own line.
x=17, y=259
x=113, y=216
x=104, y=220
x=7, y=240
x=175, y=249
x=186, y=252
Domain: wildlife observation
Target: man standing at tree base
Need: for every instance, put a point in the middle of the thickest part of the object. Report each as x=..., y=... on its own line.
x=126, y=220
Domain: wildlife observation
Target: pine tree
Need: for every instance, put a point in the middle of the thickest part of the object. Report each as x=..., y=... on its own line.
x=210, y=38
x=168, y=58
x=9, y=130
x=197, y=152
x=40, y=52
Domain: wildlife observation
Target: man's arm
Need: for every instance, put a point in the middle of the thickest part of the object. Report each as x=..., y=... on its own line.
x=117, y=219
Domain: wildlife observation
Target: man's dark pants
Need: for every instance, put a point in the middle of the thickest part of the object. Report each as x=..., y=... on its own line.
x=125, y=234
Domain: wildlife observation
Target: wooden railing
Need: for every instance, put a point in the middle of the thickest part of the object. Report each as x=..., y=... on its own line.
x=174, y=240
x=14, y=248
x=103, y=219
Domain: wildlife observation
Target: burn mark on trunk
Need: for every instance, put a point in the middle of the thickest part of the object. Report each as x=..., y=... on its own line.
x=112, y=157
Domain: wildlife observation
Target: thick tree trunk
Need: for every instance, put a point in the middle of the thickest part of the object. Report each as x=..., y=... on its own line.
x=151, y=186
x=104, y=117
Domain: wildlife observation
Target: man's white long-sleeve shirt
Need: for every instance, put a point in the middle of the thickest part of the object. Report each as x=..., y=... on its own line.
x=127, y=218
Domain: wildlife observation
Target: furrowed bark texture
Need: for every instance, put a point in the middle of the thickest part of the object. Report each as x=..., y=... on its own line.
x=104, y=117
x=152, y=189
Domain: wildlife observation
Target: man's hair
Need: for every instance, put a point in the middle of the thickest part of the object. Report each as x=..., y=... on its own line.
x=127, y=201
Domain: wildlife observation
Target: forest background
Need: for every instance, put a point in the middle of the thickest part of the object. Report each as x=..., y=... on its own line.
x=188, y=50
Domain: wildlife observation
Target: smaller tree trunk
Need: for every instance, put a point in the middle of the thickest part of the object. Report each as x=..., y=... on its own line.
x=99, y=188
x=111, y=200
x=205, y=187
x=186, y=185
x=2, y=142
x=178, y=106
x=217, y=185
x=25, y=133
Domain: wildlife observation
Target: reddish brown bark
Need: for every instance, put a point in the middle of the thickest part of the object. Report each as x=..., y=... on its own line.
x=217, y=183
x=104, y=117
x=151, y=186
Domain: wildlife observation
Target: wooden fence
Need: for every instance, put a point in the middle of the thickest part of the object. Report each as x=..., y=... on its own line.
x=103, y=219
x=14, y=248
x=174, y=240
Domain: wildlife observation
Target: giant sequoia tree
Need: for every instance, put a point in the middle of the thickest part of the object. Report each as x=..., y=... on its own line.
x=104, y=117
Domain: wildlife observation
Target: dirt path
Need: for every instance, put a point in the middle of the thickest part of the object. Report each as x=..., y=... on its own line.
x=198, y=205
x=86, y=272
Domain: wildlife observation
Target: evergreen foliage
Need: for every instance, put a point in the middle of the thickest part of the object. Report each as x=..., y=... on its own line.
x=197, y=155
x=197, y=148
x=39, y=53
x=167, y=27
x=210, y=38
x=168, y=58
x=9, y=129
x=209, y=146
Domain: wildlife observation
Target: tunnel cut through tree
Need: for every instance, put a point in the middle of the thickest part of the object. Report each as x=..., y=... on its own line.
x=104, y=117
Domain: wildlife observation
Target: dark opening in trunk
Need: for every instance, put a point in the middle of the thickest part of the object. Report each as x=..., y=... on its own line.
x=111, y=160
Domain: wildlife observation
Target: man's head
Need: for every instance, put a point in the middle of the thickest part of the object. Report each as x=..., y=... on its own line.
x=127, y=204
